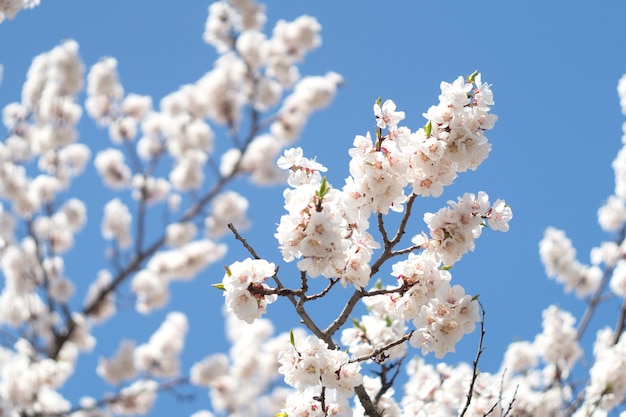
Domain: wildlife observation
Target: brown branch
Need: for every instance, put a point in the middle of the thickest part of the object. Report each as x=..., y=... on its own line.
x=621, y=323
x=290, y=294
x=345, y=313
x=597, y=296
x=254, y=289
x=475, y=372
x=382, y=349
x=331, y=284
x=140, y=257
x=401, y=289
x=381, y=229
x=386, y=255
x=390, y=244
x=387, y=383
x=243, y=241
x=366, y=402
x=112, y=399
x=405, y=219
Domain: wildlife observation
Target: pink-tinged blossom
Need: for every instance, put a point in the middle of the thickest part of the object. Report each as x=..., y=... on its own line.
x=105, y=308
x=386, y=116
x=308, y=362
x=422, y=275
x=305, y=404
x=228, y=207
x=9, y=8
x=116, y=223
x=302, y=170
x=177, y=234
x=188, y=172
x=203, y=373
x=607, y=385
x=136, y=106
x=222, y=90
x=219, y=26
x=375, y=330
x=618, y=279
x=240, y=282
x=559, y=259
x=253, y=48
x=612, y=214
x=607, y=253
x=453, y=139
x=443, y=321
x=241, y=382
x=310, y=94
x=558, y=343
x=149, y=189
x=378, y=176
x=112, y=168
x=30, y=386
x=103, y=90
x=151, y=290
x=499, y=216
x=160, y=355
x=119, y=367
x=454, y=229
x=186, y=261
x=136, y=398
x=319, y=230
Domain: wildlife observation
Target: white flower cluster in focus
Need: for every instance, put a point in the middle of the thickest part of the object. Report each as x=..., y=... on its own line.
x=310, y=366
x=244, y=283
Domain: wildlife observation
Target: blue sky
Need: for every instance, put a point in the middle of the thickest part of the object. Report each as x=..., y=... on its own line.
x=553, y=68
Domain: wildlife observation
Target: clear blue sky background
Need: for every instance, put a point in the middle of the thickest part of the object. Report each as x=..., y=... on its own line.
x=554, y=67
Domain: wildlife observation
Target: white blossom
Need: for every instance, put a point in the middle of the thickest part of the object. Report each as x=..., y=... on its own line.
x=116, y=222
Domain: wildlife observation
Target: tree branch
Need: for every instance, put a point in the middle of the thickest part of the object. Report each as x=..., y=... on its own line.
x=290, y=294
x=475, y=372
x=382, y=349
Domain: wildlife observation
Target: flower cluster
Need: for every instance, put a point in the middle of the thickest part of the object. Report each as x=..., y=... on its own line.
x=244, y=285
x=428, y=159
x=162, y=216
x=180, y=263
x=310, y=366
x=375, y=330
x=326, y=231
x=559, y=258
x=243, y=383
x=319, y=228
x=9, y=8
x=454, y=229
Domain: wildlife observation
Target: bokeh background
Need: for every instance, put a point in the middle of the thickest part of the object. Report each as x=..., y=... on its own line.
x=553, y=67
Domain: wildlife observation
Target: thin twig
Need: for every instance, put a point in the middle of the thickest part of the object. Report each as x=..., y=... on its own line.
x=331, y=284
x=290, y=294
x=243, y=241
x=390, y=244
x=382, y=349
x=475, y=372
x=387, y=383
x=508, y=410
x=597, y=296
x=621, y=323
x=345, y=313
x=140, y=257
